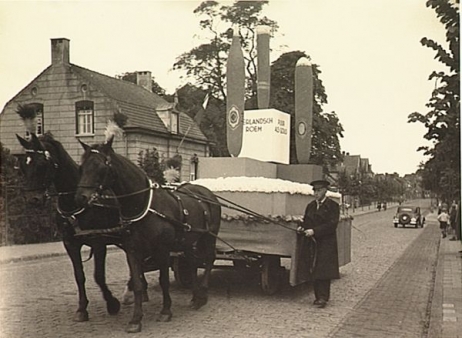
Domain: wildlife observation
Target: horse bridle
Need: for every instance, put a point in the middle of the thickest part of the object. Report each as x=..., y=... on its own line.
x=50, y=173
x=100, y=187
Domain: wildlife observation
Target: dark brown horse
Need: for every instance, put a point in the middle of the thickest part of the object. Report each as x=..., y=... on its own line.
x=157, y=221
x=47, y=163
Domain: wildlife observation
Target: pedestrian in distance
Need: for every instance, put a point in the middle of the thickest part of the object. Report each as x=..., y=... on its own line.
x=452, y=220
x=444, y=220
x=384, y=206
x=319, y=225
x=379, y=206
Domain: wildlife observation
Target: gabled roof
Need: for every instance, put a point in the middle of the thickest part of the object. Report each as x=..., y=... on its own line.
x=352, y=161
x=137, y=103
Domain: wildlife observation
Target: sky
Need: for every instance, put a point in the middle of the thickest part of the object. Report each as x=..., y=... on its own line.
x=374, y=69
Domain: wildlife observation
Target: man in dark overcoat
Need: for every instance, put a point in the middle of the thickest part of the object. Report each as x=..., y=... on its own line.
x=319, y=226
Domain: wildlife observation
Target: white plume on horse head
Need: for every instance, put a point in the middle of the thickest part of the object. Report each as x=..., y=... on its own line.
x=28, y=114
x=171, y=175
x=112, y=129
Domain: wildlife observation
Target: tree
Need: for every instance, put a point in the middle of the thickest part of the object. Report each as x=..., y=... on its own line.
x=441, y=173
x=327, y=129
x=206, y=64
x=22, y=222
x=211, y=120
x=148, y=160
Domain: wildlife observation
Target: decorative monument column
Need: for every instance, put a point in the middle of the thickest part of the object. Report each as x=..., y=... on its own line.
x=263, y=67
x=303, y=109
x=235, y=83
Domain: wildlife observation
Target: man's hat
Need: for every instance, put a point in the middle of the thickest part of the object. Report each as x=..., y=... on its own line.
x=320, y=184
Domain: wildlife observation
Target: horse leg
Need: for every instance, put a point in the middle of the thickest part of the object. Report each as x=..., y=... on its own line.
x=201, y=286
x=165, y=314
x=112, y=304
x=136, y=272
x=127, y=297
x=73, y=250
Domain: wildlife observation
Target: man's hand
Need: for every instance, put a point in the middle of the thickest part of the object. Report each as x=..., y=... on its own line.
x=300, y=230
x=309, y=232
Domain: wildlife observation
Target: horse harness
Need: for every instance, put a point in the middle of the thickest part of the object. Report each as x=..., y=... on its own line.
x=49, y=174
x=181, y=225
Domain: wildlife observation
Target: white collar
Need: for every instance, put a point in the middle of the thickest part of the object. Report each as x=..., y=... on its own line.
x=322, y=201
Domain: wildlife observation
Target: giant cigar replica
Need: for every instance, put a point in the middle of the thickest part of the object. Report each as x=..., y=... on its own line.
x=235, y=82
x=263, y=66
x=303, y=109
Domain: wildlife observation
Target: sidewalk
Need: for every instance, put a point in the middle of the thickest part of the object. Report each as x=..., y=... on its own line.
x=16, y=253
x=419, y=296
x=446, y=307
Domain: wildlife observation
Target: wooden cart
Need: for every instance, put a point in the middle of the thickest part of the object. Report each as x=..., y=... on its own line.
x=261, y=245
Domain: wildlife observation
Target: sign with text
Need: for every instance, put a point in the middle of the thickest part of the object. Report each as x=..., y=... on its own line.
x=266, y=135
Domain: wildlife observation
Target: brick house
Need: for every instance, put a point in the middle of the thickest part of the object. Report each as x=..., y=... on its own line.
x=74, y=102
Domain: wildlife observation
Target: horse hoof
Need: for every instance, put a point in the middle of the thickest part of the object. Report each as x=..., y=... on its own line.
x=197, y=303
x=113, y=306
x=164, y=317
x=81, y=316
x=133, y=328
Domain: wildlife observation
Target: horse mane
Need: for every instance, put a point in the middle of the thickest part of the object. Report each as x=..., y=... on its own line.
x=63, y=155
x=104, y=149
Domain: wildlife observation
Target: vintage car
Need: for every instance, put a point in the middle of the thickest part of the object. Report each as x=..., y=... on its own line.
x=407, y=215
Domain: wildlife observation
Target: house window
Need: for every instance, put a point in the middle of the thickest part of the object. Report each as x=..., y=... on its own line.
x=174, y=123
x=84, y=117
x=39, y=127
x=170, y=119
x=193, y=167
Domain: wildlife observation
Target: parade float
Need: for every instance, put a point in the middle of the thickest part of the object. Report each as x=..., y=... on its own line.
x=259, y=176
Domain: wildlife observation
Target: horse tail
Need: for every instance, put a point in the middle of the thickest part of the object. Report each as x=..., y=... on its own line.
x=90, y=255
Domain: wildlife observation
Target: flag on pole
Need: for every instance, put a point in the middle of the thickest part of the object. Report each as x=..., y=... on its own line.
x=200, y=113
x=197, y=118
x=206, y=101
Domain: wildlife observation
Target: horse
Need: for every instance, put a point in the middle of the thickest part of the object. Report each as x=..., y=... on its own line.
x=157, y=219
x=47, y=163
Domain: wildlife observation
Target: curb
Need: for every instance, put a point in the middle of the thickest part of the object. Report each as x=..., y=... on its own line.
x=54, y=249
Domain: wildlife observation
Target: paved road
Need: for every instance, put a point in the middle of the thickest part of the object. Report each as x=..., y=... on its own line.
x=38, y=298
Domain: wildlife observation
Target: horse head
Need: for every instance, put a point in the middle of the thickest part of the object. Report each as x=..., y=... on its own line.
x=38, y=167
x=96, y=172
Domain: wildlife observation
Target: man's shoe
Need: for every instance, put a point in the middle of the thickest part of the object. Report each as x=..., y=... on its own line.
x=453, y=239
x=316, y=302
x=321, y=303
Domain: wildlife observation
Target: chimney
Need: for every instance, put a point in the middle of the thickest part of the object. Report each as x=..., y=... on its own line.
x=175, y=99
x=60, y=51
x=143, y=79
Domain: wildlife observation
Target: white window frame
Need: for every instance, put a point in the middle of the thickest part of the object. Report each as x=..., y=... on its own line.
x=39, y=129
x=84, y=118
x=174, y=122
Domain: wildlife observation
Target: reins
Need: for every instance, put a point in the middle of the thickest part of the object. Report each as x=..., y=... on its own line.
x=229, y=204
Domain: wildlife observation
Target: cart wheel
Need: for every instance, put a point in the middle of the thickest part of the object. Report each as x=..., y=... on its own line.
x=182, y=272
x=271, y=274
